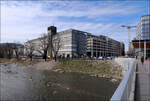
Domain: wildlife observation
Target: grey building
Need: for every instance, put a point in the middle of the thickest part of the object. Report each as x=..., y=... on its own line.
x=75, y=43
x=36, y=43
x=72, y=42
x=102, y=46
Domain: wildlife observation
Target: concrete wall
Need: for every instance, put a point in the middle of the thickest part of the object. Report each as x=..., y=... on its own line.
x=125, y=63
x=125, y=90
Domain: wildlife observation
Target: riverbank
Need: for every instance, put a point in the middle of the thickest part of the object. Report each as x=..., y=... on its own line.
x=97, y=68
x=105, y=69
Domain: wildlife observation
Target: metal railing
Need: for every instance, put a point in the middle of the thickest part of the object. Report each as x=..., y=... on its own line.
x=125, y=91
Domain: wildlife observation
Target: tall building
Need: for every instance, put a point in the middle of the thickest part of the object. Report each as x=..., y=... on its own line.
x=75, y=43
x=52, y=31
x=141, y=42
x=143, y=29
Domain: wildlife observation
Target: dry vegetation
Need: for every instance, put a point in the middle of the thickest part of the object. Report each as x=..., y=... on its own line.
x=108, y=69
x=20, y=62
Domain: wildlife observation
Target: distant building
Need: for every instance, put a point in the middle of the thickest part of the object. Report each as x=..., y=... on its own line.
x=10, y=48
x=122, y=49
x=141, y=42
x=75, y=43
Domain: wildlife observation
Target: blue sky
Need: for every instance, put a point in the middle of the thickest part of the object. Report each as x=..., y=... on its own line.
x=25, y=20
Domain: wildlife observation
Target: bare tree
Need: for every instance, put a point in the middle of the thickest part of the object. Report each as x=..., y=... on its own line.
x=56, y=45
x=9, y=50
x=44, y=45
x=6, y=50
x=29, y=49
x=17, y=49
x=1, y=51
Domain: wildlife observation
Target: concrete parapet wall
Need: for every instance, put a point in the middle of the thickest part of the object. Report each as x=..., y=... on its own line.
x=126, y=63
x=124, y=92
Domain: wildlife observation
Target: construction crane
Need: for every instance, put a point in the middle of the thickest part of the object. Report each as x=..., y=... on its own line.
x=128, y=28
x=129, y=36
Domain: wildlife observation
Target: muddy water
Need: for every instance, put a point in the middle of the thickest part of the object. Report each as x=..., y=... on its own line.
x=22, y=83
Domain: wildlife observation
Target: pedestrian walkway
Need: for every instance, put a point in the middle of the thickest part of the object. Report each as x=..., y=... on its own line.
x=142, y=85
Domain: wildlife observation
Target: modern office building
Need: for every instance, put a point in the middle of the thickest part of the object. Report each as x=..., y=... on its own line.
x=141, y=42
x=72, y=42
x=75, y=43
x=143, y=29
x=102, y=46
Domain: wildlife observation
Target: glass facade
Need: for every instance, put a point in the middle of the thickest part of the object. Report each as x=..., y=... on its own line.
x=145, y=27
x=143, y=30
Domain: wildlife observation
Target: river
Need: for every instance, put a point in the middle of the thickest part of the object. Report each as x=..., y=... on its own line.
x=18, y=83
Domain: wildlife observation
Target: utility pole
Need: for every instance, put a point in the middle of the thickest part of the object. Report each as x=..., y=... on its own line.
x=129, y=35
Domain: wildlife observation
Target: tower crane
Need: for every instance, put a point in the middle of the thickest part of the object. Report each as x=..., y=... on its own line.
x=129, y=36
x=128, y=28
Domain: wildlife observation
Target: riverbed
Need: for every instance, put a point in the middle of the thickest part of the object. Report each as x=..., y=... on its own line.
x=23, y=83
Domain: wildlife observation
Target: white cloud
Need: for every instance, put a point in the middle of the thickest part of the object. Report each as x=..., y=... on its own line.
x=77, y=9
x=27, y=20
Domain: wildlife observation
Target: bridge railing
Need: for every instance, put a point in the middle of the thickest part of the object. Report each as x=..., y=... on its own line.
x=125, y=90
